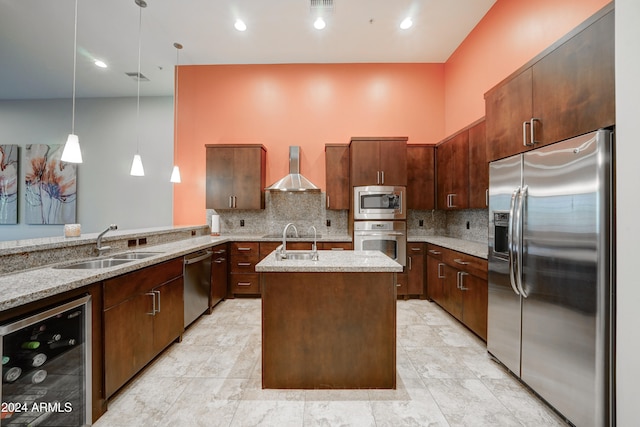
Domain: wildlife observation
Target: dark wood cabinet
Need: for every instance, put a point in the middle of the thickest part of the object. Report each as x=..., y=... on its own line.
x=567, y=90
x=219, y=269
x=335, y=246
x=478, y=167
x=416, y=269
x=337, y=176
x=378, y=161
x=243, y=279
x=452, y=156
x=235, y=176
x=458, y=283
x=143, y=313
x=421, y=166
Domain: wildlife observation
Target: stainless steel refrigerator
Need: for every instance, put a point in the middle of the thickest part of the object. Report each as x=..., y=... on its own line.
x=551, y=284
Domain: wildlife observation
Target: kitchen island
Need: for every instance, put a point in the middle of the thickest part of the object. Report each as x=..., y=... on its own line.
x=329, y=323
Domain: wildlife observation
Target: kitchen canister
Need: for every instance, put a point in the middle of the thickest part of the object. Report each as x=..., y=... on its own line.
x=215, y=225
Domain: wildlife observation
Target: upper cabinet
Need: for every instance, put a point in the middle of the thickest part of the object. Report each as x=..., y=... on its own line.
x=478, y=167
x=453, y=172
x=236, y=176
x=566, y=91
x=378, y=161
x=337, y=175
x=421, y=187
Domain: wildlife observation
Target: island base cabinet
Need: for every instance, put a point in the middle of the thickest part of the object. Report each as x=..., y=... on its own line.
x=328, y=330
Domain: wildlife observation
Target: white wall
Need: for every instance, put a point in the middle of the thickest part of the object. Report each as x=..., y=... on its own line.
x=107, y=129
x=628, y=210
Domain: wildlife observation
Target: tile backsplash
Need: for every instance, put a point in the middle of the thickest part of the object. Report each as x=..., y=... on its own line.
x=307, y=209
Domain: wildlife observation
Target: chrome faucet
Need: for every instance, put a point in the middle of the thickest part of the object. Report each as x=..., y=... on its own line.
x=281, y=251
x=99, y=246
x=314, y=247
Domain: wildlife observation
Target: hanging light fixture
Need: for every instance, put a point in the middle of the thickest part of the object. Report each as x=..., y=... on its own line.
x=175, y=174
x=71, y=152
x=136, y=167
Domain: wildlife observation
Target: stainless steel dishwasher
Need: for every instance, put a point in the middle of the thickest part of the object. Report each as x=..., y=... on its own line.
x=197, y=284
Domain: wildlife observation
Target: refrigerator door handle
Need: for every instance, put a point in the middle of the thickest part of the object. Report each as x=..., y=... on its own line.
x=520, y=241
x=511, y=235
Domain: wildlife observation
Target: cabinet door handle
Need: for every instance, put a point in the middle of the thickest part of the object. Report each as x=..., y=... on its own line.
x=153, y=298
x=461, y=275
x=382, y=175
x=230, y=201
x=533, y=130
x=433, y=251
x=328, y=202
x=461, y=262
x=158, y=294
x=244, y=283
x=440, y=275
x=377, y=177
x=450, y=200
x=486, y=197
x=409, y=263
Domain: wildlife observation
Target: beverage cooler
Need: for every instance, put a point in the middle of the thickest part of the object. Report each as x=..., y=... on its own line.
x=46, y=367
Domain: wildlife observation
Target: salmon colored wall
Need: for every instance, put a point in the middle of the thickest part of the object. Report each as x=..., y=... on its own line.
x=509, y=35
x=297, y=104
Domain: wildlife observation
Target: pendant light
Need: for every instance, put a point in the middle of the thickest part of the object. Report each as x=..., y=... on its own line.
x=175, y=174
x=136, y=167
x=71, y=152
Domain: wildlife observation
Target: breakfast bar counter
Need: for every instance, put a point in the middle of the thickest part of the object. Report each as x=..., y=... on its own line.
x=329, y=323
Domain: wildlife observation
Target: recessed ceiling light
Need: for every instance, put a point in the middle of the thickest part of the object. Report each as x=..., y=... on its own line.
x=100, y=64
x=240, y=26
x=406, y=23
x=319, y=23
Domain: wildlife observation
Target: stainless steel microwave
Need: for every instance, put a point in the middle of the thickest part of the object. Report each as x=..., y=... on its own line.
x=379, y=202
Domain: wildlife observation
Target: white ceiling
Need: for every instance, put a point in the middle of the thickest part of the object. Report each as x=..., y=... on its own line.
x=36, y=39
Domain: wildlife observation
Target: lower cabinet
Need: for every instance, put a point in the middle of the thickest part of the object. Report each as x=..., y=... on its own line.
x=458, y=283
x=243, y=279
x=143, y=312
x=415, y=269
x=219, y=270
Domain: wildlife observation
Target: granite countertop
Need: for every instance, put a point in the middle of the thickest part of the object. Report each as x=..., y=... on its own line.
x=332, y=261
x=477, y=249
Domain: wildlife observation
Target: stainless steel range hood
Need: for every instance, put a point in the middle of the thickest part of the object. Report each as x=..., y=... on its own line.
x=294, y=181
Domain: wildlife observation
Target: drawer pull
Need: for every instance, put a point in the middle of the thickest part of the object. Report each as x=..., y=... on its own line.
x=220, y=260
x=415, y=249
x=433, y=251
x=244, y=264
x=461, y=262
x=221, y=251
x=244, y=249
x=244, y=283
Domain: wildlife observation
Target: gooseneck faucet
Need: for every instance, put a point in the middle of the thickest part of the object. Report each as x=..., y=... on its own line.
x=281, y=251
x=314, y=248
x=99, y=246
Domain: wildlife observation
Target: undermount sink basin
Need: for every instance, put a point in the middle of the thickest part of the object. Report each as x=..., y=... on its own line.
x=96, y=263
x=293, y=255
x=134, y=255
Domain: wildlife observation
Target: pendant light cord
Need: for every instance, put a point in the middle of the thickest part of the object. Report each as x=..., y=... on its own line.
x=138, y=94
x=75, y=49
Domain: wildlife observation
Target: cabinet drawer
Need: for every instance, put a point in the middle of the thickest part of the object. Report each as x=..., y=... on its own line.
x=245, y=248
x=415, y=249
x=245, y=283
x=123, y=287
x=335, y=246
x=435, y=251
x=243, y=264
x=468, y=263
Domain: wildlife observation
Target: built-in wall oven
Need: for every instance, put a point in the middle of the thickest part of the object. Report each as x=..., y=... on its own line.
x=388, y=237
x=379, y=202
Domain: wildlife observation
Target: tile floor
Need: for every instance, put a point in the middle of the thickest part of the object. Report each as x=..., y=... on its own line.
x=212, y=378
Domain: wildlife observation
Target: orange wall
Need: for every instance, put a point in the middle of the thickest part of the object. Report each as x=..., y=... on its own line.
x=509, y=35
x=313, y=104
x=297, y=104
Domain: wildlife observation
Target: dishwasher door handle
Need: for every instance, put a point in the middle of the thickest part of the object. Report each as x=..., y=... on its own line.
x=205, y=255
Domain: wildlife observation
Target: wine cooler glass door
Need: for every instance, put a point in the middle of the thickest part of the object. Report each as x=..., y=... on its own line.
x=46, y=367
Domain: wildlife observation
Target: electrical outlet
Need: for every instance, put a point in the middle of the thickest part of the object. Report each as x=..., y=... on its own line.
x=421, y=223
x=328, y=223
x=242, y=223
x=142, y=241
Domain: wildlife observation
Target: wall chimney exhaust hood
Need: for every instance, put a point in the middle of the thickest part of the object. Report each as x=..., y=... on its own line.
x=294, y=181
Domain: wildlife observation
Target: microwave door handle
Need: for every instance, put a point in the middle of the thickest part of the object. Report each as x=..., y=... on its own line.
x=511, y=241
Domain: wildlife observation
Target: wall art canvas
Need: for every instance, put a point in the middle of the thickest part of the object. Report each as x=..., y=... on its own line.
x=50, y=186
x=8, y=184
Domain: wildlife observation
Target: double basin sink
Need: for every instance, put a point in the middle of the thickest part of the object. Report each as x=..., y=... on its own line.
x=112, y=261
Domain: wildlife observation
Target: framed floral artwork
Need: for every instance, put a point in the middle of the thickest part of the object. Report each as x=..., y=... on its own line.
x=50, y=186
x=8, y=184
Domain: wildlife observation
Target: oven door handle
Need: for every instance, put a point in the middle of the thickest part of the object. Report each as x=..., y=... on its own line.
x=366, y=233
